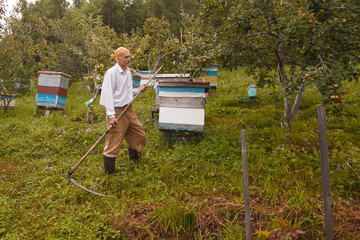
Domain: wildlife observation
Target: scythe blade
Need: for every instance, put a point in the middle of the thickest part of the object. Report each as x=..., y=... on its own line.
x=73, y=181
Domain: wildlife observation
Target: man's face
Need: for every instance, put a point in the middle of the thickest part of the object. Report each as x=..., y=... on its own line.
x=124, y=60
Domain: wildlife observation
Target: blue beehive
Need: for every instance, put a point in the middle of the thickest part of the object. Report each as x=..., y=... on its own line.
x=52, y=89
x=136, y=78
x=181, y=105
x=252, y=90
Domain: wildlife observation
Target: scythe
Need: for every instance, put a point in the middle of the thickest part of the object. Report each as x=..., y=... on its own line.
x=73, y=169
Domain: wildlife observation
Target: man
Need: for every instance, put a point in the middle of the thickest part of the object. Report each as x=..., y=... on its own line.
x=117, y=92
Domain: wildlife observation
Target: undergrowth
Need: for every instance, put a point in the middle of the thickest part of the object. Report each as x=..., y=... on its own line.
x=186, y=186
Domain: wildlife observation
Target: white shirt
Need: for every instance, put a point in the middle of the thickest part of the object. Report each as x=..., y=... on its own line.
x=117, y=89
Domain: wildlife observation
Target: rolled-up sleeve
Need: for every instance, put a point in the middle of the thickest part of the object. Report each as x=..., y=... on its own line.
x=135, y=91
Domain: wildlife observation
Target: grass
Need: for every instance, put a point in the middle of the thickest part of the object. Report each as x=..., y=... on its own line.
x=187, y=187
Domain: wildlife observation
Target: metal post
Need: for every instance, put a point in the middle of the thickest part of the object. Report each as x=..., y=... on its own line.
x=246, y=186
x=325, y=176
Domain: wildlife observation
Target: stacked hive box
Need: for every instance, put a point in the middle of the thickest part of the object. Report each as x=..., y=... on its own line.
x=209, y=76
x=145, y=77
x=136, y=78
x=181, y=105
x=52, y=89
x=171, y=78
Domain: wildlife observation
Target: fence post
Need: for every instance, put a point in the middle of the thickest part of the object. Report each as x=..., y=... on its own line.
x=325, y=176
x=246, y=186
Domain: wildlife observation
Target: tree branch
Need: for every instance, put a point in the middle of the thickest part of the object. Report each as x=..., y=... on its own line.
x=159, y=59
x=256, y=34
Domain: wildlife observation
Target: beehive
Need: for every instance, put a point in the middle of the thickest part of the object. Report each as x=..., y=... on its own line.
x=136, y=79
x=210, y=75
x=252, y=90
x=168, y=77
x=181, y=105
x=145, y=77
x=52, y=89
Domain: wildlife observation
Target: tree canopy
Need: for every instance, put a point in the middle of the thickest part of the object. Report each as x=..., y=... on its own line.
x=2, y=11
x=290, y=44
x=299, y=42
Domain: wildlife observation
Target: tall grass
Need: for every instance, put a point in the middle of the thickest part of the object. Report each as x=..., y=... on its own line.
x=186, y=187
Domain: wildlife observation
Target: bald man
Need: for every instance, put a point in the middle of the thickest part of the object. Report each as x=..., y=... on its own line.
x=117, y=92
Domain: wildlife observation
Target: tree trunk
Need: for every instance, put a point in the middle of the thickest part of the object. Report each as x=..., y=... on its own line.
x=87, y=86
x=89, y=115
x=89, y=109
x=284, y=83
x=5, y=105
x=156, y=66
x=289, y=111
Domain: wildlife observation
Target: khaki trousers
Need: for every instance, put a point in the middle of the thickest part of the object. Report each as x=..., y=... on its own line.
x=130, y=128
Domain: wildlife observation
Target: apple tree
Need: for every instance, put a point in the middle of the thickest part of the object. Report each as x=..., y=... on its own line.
x=74, y=43
x=200, y=46
x=17, y=65
x=299, y=42
x=153, y=45
x=84, y=49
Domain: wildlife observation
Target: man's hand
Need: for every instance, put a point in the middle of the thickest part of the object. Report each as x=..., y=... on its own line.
x=143, y=88
x=113, y=121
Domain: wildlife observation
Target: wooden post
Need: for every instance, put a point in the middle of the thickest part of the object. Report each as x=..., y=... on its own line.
x=325, y=176
x=47, y=111
x=246, y=186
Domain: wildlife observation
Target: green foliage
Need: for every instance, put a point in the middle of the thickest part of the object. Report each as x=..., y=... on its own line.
x=2, y=11
x=289, y=43
x=16, y=61
x=153, y=46
x=126, y=16
x=198, y=50
x=56, y=39
x=175, y=219
x=111, y=12
x=190, y=187
x=83, y=43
